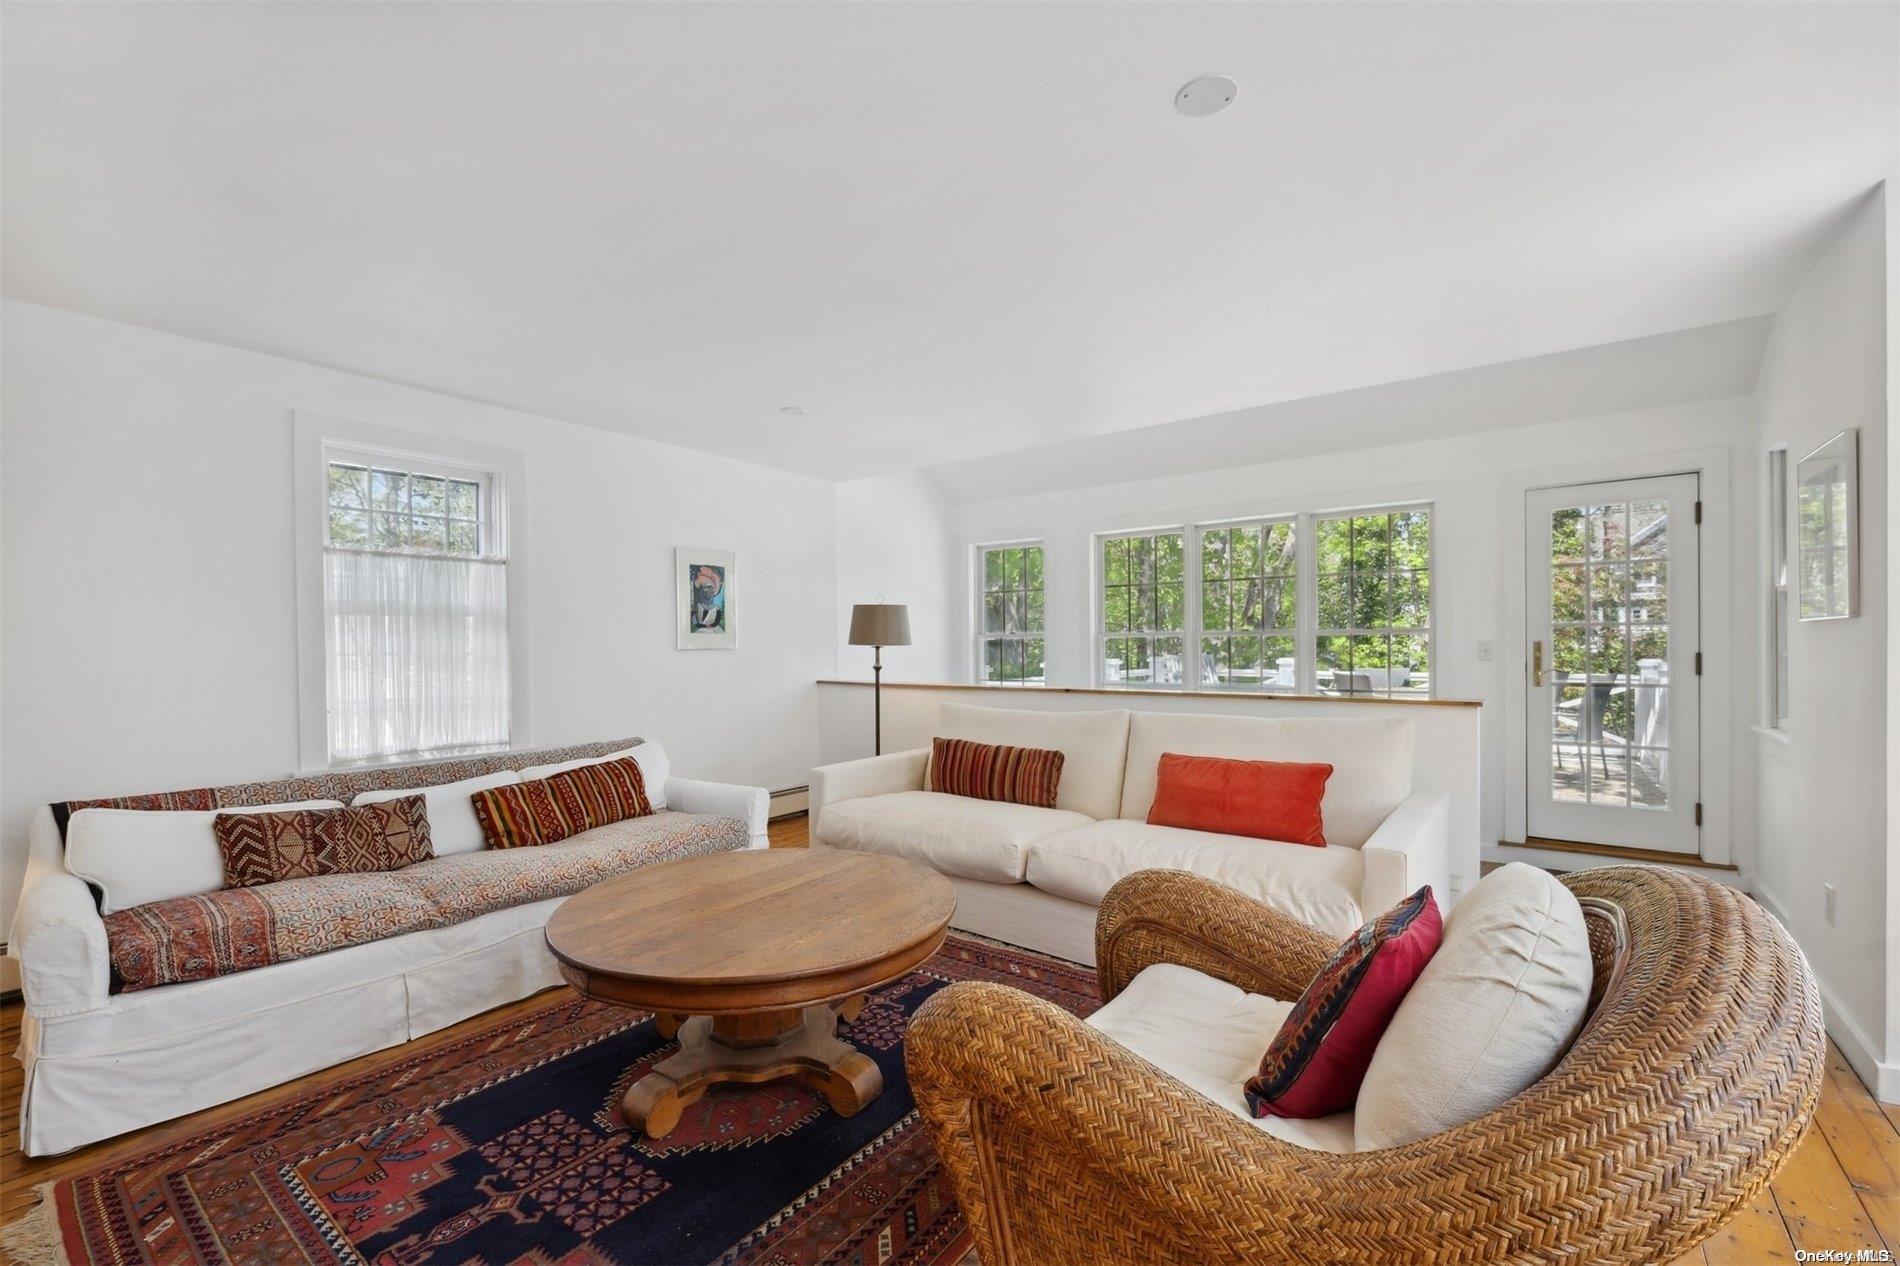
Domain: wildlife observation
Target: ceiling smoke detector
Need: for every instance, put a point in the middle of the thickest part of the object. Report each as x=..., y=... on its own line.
x=1210, y=94
x=791, y=411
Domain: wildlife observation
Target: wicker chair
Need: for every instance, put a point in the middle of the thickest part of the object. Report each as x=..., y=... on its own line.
x=1691, y=1083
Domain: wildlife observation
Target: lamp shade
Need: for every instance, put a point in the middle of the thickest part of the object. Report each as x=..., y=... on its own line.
x=880, y=624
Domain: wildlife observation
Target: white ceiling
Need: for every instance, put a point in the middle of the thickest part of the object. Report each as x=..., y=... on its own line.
x=1712, y=362
x=943, y=230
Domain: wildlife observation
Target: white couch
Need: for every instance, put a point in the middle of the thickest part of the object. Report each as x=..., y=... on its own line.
x=1034, y=877
x=100, y=1062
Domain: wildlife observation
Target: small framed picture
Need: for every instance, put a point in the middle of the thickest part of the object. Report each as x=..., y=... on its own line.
x=705, y=599
x=1827, y=529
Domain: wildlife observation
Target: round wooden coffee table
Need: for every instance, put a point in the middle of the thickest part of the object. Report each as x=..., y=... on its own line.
x=749, y=958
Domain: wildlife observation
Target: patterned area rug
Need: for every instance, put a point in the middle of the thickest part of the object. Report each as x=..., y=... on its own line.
x=508, y=1146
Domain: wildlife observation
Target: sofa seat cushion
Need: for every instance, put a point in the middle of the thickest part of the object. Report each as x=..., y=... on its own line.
x=236, y=929
x=1317, y=886
x=954, y=835
x=1209, y=1035
x=465, y=885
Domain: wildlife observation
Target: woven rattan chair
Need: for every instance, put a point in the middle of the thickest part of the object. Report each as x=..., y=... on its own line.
x=1691, y=1083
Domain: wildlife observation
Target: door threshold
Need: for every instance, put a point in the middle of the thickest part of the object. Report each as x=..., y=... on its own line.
x=1623, y=854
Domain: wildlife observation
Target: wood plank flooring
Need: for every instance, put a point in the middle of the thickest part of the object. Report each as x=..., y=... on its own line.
x=1840, y=1192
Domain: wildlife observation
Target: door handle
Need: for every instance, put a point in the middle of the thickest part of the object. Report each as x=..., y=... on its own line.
x=1537, y=663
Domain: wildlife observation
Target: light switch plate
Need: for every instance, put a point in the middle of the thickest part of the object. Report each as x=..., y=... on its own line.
x=1487, y=652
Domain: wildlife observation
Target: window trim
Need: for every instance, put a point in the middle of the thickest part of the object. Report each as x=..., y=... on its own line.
x=316, y=438
x=1779, y=590
x=1306, y=595
x=979, y=638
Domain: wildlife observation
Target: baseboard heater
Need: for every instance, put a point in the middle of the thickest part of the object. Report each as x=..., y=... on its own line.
x=789, y=802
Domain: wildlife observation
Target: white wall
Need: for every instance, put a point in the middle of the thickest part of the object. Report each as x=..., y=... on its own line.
x=1823, y=798
x=1478, y=483
x=897, y=543
x=149, y=608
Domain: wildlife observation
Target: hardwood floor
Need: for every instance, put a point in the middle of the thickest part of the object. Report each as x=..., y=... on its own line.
x=1840, y=1192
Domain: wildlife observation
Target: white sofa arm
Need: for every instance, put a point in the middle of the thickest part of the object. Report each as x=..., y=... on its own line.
x=856, y=779
x=1410, y=848
x=751, y=805
x=57, y=934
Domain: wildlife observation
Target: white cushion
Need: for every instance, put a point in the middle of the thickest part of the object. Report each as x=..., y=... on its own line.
x=955, y=835
x=1493, y=1011
x=1317, y=886
x=1209, y=1036
x=453, y=826
x=1371, y=760
x=138, y=855
x=1094, y=746
x=655, y=768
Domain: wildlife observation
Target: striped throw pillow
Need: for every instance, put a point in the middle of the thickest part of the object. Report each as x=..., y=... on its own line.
x=545, y=810
x=594, y=795
x=992, y=771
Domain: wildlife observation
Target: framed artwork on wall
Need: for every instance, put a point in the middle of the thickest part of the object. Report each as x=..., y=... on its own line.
x=705, y=599
x=1827, y=531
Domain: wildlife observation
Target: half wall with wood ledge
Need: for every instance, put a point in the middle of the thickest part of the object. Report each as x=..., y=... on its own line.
x=1445, y=752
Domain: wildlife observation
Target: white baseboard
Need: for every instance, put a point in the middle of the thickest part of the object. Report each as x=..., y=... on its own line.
x=1881, y=1077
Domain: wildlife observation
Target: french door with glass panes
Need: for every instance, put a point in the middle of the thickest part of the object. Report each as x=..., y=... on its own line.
x=1613, y=625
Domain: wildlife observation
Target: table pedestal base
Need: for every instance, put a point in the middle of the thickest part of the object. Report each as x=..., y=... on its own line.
x=750, y=1048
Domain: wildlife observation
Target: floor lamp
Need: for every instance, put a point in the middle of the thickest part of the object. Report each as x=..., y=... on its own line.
x=878, y=625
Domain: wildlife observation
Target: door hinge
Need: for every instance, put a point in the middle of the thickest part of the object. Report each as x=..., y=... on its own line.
x=1698, y=513
x=1698, y=663
x=1698, y=813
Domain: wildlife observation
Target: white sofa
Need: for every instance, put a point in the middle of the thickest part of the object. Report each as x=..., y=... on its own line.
x=100, y=1062
x=1034, y=877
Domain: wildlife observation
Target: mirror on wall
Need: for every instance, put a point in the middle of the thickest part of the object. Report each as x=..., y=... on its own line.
x=1827, y=529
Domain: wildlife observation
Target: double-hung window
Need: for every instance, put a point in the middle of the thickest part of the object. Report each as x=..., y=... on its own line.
x=1374, y=580
x=1010, y=645
x=1249, y=604
x=1780, y=595
x=415, y=607
x=1144, y=609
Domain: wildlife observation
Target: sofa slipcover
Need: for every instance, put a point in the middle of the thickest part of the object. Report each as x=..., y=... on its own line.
x=1318, y=886
x=237, y=929
x=955, y=835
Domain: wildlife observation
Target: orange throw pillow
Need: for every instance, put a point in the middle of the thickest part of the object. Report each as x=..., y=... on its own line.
x=1264, y=799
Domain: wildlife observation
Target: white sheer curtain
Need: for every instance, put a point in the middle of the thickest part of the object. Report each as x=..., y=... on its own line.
x=418, y=654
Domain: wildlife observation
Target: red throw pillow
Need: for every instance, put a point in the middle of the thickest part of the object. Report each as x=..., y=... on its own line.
x=1264, y=799
x=989, y=771
x=1320, y=1055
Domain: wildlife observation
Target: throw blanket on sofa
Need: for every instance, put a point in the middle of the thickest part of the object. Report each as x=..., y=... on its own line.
x=235, y=929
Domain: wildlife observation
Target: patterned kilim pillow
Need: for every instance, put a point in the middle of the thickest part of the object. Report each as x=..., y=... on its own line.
x=544, y=810
x=1321, y=1053
x=520, y=815
x=263, y=848
x=990, y=771
x=594, y=795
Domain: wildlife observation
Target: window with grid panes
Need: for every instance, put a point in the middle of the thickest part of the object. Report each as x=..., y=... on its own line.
x=1249, y=604
x=1144, y=609
x=1010, y=644
x=1373, y=591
